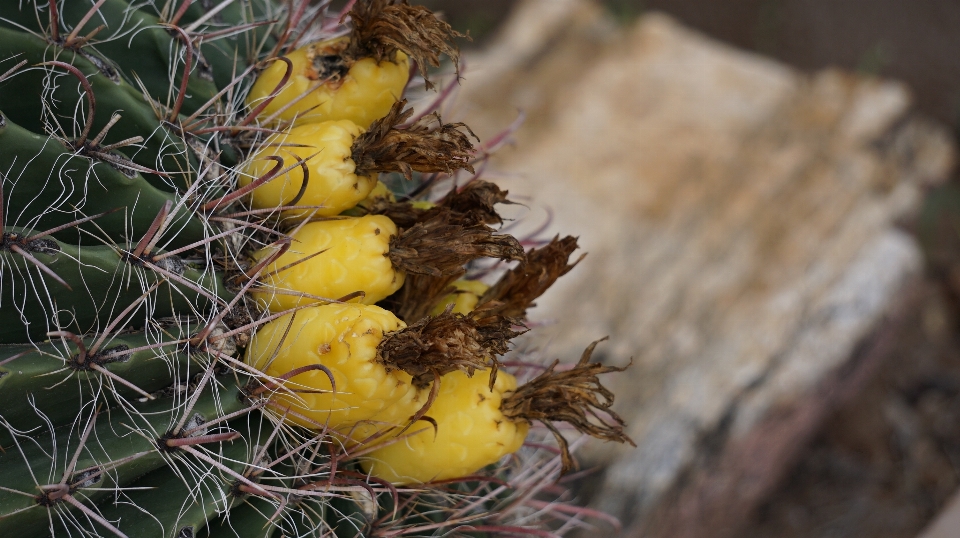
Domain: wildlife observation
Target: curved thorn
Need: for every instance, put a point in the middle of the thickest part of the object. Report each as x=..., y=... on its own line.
x=303, y=184
x=295, y=372
x=82, y=356
x=213, y=204
x=351, y=296
x=87, y=88
x=181, y=11
x=421, y=413
x=276, y=91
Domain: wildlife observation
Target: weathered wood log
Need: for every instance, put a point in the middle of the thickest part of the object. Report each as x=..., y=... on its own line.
x=741, y=223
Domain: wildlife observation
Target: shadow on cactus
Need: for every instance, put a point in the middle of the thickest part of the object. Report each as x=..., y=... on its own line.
x=218, y=321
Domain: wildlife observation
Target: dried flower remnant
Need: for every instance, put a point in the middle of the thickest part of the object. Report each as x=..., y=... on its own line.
x=428, y=145
x=517, y=290
x=438, y=345
x=474, y=203
x=383, y=27
x=357, y=77
x=575, y=397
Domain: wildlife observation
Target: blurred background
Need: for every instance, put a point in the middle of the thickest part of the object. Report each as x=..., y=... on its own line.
x=768, y=196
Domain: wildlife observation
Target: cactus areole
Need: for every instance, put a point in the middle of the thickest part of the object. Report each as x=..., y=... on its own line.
x=247, y=290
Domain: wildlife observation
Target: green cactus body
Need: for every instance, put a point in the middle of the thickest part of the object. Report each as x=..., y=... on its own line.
x=50, y=381
x=159, y=149
x=99, y=283
x=118, y=456
x=132, y=257
x=166, y=504
x=135, y=42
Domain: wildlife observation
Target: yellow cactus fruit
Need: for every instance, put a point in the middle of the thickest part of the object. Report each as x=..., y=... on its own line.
x=360, y=76
x=334, y=258
x=471, y=433
x=382, y=369
x=343, y=339
x=341, y=160
x=476, y=424
x=464, y=299
x=333, y=184
x=337, y=257
x=323, y=87
x=380, y=192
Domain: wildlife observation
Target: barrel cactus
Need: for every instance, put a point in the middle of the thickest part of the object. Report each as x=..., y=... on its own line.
x=233, y=269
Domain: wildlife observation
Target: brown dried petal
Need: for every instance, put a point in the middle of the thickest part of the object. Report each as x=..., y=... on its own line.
x=429, y=145
x=382, y=27
x=439, y=248
x=420, y=294
x=517, y=290
x=573, y=396
x=474, y=203
x=438, y=345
